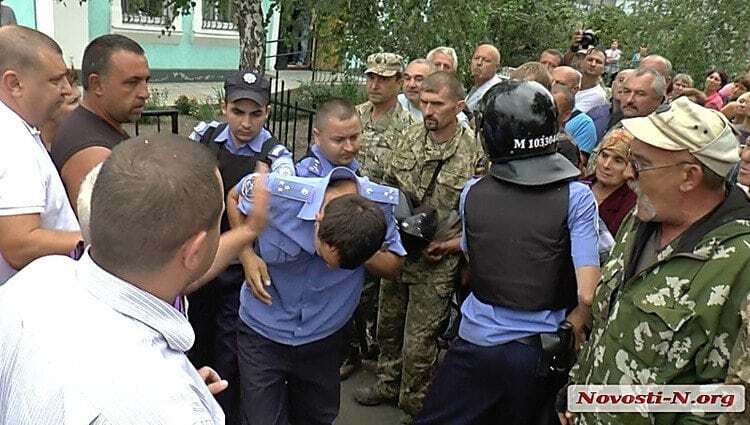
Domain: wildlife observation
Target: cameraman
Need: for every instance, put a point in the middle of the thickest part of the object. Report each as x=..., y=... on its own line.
x=530, y=234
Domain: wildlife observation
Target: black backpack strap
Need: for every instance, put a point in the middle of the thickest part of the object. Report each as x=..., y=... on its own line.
x=433, y=181
x=574, y=114
x=208, y=137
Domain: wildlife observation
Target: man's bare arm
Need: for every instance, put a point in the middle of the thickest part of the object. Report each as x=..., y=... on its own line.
x=385, y=264
x=22, y=240
x=76, y=168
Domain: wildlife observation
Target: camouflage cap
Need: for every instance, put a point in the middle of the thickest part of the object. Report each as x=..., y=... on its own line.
x=385, y=64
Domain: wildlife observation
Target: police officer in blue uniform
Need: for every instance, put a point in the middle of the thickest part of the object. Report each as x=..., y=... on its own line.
x=530, y=236
x=239, y=144
x=321, y=235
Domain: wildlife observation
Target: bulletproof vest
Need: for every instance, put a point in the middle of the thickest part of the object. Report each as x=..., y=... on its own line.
x=233, y=167
x=519, y=245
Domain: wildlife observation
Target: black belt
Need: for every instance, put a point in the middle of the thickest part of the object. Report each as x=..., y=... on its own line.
x=531, y=340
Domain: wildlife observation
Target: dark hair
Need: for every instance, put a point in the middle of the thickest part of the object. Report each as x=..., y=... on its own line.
x=596, y=49
x=744, y=81
x=711, y=180
x=355, y=226
x=152, y=194
x=337, y=107
x=72, y=76
x=98, y=53
x=20, y=48
x=436, y=81
x=722, y=75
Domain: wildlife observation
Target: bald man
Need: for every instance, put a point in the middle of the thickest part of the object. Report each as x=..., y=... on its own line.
x=484, y=65
x=579, y=125
x=36, y=218
x=659, y=64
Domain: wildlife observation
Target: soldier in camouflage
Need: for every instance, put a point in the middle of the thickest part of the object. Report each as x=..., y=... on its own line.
x=383, y=119
x=739, y=370
x=431, y=162
x=667, y=308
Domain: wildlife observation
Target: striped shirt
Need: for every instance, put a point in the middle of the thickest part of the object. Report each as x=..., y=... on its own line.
x=80, y=346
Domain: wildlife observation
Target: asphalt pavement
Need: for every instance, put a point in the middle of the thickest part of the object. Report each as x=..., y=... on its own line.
x=352, y=413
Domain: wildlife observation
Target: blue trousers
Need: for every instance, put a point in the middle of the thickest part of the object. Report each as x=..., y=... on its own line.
x=492, y=385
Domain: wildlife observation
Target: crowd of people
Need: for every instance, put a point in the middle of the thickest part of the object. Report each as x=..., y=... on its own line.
x=572, y=223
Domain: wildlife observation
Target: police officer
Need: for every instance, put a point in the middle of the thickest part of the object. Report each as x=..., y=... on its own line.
x=530, y=235
x=239, y=143
x=317, y=249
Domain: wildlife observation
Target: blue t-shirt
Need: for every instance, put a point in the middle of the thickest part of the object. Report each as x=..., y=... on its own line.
x=310, y=300
x=488, y=325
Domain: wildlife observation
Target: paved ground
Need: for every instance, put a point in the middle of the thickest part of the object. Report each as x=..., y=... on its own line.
x=353, y=414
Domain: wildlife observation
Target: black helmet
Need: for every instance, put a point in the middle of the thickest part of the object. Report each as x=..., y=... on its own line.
x=518, y=125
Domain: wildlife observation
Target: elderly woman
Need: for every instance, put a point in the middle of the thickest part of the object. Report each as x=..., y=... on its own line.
x=680, y=82
x=609, y=181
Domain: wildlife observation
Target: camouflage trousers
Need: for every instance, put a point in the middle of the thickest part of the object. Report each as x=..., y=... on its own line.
x=739, y=374
x=361, y=336
x=410, y=318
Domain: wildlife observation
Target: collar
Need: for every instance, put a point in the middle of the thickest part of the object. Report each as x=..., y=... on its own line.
x=489, y=83
x=31, y=129
x=137, y=304
x=315, y=149
x=312, y=207
x=256, y=144
x=444, y=150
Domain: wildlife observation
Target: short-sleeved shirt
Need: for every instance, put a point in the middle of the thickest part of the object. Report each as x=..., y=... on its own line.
x=29, y=183
x=80, y=130
x=582, y=130
x=490, y=325
x=310, y=300
x=590, y=98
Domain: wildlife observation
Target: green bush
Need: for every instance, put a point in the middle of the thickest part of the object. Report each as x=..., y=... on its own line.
x=310, y=95
x=186, y=105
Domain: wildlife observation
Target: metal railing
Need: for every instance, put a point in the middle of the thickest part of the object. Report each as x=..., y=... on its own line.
x=291, y=124
x=158, y=114
x=143, y=12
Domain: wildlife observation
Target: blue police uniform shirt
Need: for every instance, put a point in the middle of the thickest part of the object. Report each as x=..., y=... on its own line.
x=280, y=156
x=317, y=165
x=582, y=130
x=489, y=325
x=310, y=300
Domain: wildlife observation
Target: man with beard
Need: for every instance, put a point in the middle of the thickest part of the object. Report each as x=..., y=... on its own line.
x=431, y=162
x=115, y=89
x=667, y=308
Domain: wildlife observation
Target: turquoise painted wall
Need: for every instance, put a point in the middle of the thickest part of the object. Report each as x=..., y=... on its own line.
x=24, y=10
x=187, y=53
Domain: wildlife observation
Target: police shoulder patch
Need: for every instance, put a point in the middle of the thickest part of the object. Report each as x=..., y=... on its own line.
x=291, y=187
x=380, y=193
x=314, y=166
x=247, y=186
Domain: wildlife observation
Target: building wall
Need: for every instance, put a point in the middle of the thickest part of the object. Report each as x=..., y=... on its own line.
x=188, y=48
x=24, y=11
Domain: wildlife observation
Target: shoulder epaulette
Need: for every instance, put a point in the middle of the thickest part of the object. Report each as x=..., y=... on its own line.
x=291, y=187
x=380, y=193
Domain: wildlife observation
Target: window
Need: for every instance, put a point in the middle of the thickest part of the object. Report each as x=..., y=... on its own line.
x=143, y=12
x=218, y=15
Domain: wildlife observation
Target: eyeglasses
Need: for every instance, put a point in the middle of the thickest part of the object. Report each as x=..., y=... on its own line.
x=638, y=168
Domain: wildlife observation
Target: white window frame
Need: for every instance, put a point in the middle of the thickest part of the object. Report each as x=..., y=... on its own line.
x=118, y=24
x=200, y=32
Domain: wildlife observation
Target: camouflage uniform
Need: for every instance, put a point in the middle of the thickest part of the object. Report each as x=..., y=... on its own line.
x=739, y=370
x=411, y=311
x=675, y=321
x=379, y=137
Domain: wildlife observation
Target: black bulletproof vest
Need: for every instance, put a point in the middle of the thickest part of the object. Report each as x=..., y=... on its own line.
x=233, y=167
x=519, y=245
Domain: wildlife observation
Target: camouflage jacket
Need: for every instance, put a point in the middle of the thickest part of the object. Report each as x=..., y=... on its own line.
x=413, y=163
x=739, y=370
x=379, y=137
x=677, y=320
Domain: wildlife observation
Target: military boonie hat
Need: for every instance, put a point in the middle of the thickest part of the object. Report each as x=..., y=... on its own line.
x=685, y=125
x=247, y=84
x=385, y=64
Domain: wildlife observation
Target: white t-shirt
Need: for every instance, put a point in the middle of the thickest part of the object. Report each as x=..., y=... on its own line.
x=590, y=98
x=29, y=183
x=86, y=347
